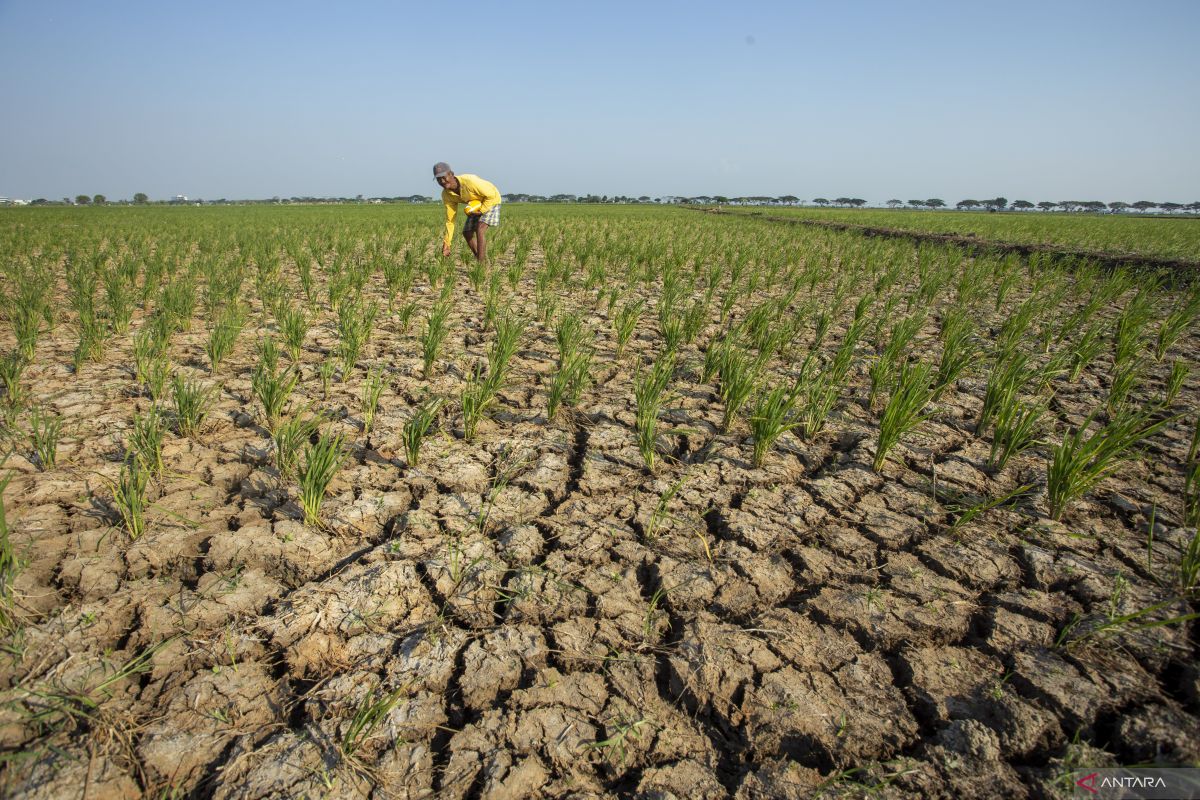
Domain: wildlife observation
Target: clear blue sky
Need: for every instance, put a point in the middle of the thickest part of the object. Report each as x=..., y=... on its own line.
x=1039, y=101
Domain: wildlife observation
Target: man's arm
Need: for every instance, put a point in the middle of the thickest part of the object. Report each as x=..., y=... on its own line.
x=485, y=191
x=451, y=212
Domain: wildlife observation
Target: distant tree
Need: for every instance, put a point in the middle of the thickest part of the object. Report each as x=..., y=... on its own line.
x=967, y=204
x=1118, y=206
x=82, y=199
x=894, y=203
x=917, y=203
x=996, y=204
x=857, y=202
x=935, y=202
x=842, y=201
x=67, y=200
x=789, y=199
x=821, y=201
x=1045, y=205
x=1144, y=205
x=644, y=198
x=1193, y=206
x=1170, y=208
x=140, y=198
x=99, y=199
x=1069, y=205
x=1022, y=205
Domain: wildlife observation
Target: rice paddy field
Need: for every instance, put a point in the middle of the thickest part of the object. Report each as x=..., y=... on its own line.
x=657, y=504
x=1128, y=235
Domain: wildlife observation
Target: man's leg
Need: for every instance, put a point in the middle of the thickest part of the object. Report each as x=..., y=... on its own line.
x=469, y=235
x=480, y=248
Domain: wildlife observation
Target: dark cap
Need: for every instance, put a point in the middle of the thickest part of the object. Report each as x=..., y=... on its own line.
x=441, y=168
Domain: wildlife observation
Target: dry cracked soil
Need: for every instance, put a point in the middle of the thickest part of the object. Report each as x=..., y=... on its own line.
x=525, y=615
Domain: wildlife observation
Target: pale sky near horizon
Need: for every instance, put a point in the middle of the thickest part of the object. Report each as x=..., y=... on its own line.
x=1039, y=101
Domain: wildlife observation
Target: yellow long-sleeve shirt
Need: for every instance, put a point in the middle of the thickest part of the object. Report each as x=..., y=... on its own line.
x=470, y=187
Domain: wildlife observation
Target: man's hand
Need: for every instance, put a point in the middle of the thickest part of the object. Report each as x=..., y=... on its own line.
x=445, y=249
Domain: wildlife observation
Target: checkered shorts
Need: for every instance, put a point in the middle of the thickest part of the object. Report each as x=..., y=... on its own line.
x=491, y=219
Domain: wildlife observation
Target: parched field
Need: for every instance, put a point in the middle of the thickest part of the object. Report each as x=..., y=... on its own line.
x=660, y=504
x=1123, y=235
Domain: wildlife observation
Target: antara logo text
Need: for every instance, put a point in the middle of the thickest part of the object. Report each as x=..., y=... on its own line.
x=1120, y=782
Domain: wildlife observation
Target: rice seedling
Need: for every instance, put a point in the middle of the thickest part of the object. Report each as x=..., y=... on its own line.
x=1189, y=565
x=843, y=357
x=1194, y=447
x=883, y=368
x=1018, y=425
x=616, y=745
x=27, y=315
x=12, y=367
x=569, y=381
x=1191, y=495
x=289, y=437
x=965, y=514
x=45, y=430
x=178, y=302
x=545, y=298
x=1179, y=320
x=739, y=374
x=147, y=347
x=1013, y=329
x=569, y=334
x=625, y=322
x=413, y=433
x=404, y=316
x=372, y=389
x=1125, y=379
x=371, y=711
x=325, y=375
x=10, y=565
x=661, y=512
x=118, y=295
x=477, y=397
x=904, y=410
x=771, y=418
x=1008, y=281
x=1174, y=384
x=820, y=395
x=1010, y=375
x=506, y=466
x=224, y=334
x=293, y=324
x=1086, y=348
x=355, y=323
x=1079, y=630
x=959, y=350
x=272, y=388
x=146, y=440
x=129, y=497
x=1129, y=329
x=322, y=460
x=157, y=372
x=436, y=329
x=1081, y=460
x=92, y=338
x=672, y=333
x=192, y=402
x=503, y=348
x=649, y=390
x=491, y=301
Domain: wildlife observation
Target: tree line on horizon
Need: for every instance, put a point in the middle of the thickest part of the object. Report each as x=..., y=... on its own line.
x=934, y=203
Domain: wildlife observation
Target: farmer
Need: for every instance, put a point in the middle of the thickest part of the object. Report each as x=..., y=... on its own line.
x=483, y=207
